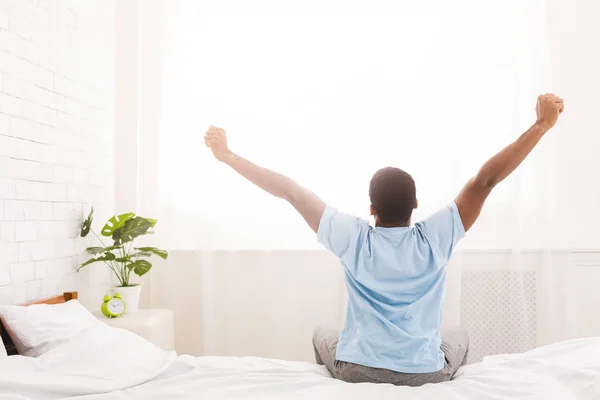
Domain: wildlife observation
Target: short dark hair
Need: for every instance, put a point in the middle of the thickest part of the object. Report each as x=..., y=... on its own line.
x=393, y=194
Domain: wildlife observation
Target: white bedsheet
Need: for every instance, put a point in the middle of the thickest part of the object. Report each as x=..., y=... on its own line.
x=117, y=365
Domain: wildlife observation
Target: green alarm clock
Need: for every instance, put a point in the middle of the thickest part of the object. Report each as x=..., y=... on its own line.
x=113, y=306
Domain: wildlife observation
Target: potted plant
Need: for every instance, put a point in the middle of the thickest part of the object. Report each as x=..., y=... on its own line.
x=121, y=256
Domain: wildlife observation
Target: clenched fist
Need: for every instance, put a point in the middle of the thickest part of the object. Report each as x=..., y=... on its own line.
x=549, y=107
x=216, y=139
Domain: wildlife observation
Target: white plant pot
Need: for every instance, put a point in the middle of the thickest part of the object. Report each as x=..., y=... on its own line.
x=131, y=296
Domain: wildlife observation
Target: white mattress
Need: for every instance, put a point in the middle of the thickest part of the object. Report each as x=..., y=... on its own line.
x=97, y=367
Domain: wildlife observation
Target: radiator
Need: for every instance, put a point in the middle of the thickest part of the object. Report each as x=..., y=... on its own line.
x=498, y=308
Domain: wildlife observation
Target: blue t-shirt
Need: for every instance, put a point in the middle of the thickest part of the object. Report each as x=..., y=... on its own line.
x=395, y=281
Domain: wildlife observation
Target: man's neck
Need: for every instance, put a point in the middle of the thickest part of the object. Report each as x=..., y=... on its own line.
x=403, y=224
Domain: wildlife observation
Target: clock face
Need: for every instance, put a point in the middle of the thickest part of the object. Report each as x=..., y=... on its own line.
x=115, y=306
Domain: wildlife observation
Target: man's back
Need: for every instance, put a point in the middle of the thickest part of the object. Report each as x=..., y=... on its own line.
x=395, y=280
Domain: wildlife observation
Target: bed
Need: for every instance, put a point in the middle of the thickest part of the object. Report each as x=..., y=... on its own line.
x=107, y=363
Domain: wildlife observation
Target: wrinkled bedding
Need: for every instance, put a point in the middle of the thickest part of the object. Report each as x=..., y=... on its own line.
x=110, y=364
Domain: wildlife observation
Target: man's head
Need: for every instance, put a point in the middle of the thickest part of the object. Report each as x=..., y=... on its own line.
x=393, y=197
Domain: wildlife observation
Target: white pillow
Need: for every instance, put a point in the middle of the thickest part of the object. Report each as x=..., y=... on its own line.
x=39, y=328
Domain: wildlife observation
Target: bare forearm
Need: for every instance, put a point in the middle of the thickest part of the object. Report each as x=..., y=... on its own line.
x=270, y=181
x=308, y=204
x=471, y=198
x=505, y=162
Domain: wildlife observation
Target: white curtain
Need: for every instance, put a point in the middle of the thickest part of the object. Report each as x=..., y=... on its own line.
x=328, y=92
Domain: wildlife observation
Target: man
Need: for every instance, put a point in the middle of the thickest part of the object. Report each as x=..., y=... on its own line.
x=394, y=272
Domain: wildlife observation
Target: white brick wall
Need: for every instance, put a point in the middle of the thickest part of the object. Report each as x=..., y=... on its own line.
x=56, y=142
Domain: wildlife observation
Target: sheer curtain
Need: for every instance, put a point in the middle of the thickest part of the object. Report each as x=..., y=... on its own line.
x=330, y=92
x=327, y=93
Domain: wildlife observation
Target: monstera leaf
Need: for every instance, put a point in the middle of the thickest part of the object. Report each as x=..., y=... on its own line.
x=94, y=250
x=87, y=224
x=140, y=267
x=97, y=250
x=141, y=254
x=106, y=257
x=131, y=229
x=153, y=250
x=116, y=222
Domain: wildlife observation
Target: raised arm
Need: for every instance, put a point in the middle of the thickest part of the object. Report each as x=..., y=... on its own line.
x=303, y=200
x=473, y=195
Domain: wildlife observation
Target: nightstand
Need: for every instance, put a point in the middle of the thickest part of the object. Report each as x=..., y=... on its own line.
x=155, y=326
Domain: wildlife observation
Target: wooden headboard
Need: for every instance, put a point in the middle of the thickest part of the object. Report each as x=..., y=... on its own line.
x=63, y=298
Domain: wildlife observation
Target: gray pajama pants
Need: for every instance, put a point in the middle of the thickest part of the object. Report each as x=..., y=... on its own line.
x=455, y=345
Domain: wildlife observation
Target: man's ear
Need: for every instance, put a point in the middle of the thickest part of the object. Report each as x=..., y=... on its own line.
x=416, y=203
x=372, y=210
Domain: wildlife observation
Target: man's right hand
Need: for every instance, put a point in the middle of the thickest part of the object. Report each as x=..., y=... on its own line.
x=549, y=107
x=216, y=139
